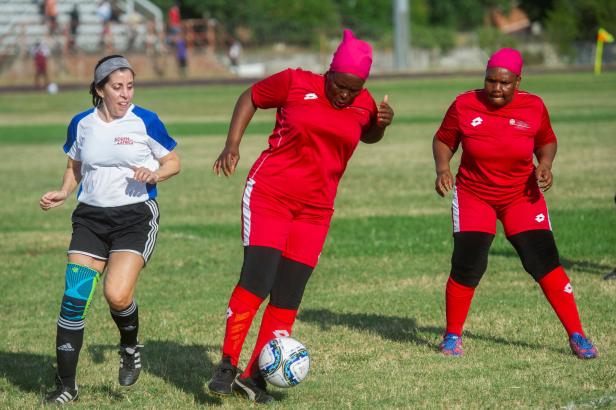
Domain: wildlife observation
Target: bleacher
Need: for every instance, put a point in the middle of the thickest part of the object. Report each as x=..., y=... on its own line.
x=21, y=25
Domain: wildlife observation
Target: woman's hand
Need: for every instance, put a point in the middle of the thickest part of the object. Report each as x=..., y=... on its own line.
x=444, y=182
x=543, y=173
x=144, y=175
x=227, y=161
x=385, y=114
x=52, y=199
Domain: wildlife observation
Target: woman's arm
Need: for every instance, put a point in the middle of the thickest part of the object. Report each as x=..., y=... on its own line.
x=442, y=155
x=70, y=180
x=169, y=166
x=242, y=114
x=385, y=116
x=545, y=156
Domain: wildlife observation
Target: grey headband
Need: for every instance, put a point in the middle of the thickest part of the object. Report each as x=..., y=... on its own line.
x=109, y=66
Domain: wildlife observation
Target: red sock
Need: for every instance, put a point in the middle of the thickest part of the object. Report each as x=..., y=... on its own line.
x=458, y=301
x=243, y=306
x=276, y=322
x=558, y=291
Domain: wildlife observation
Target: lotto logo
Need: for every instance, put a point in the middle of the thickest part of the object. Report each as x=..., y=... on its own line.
x=568, y=288
x=229, y=312
x=310, y=96
x=476, y=121
x=540, y=218
x=281, y=333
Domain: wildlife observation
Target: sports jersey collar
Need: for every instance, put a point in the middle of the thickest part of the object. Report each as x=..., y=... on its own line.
x=102, y=122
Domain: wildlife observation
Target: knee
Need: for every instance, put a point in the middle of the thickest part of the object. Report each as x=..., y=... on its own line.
x=537, y=251
x=470, y=257
x=80, y=282
x=118, y=300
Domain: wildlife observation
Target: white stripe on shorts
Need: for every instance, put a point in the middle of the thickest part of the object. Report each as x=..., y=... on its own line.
x=149, y=244
x=455, y=211
x=246, y=212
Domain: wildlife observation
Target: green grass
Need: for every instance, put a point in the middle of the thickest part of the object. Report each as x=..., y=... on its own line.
x=373, y=313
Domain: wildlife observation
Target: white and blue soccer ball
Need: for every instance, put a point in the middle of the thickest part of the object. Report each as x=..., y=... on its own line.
x=284, y=362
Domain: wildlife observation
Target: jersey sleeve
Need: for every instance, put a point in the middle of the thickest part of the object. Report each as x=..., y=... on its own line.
x=545, y=135
x=160, y=141
x=449, y=131
x=272, y=92
x=72, y=145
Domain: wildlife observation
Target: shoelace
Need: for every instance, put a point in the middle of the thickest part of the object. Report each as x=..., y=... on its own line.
x=125, y=354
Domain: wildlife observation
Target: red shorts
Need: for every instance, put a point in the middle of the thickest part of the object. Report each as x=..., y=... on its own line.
x=298, y=230
x=526, y=213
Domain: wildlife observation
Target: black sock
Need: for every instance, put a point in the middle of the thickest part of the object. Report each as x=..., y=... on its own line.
x=127, y=321
x=68, y=345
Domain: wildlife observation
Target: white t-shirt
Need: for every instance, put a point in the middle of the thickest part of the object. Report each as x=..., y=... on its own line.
x=108, y=151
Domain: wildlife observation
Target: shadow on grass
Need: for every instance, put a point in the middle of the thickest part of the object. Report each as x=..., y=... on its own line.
x=185, y=366
x=29, y=372
x=399, y=329
x=581, y=265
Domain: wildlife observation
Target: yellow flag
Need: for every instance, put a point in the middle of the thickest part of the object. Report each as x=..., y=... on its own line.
x=604, y=37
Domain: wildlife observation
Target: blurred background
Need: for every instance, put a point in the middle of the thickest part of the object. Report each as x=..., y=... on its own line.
x=59, y=41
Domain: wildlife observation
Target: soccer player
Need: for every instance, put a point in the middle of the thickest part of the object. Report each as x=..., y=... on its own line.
x=500, y=128
x=289, y=195
x=117, y=153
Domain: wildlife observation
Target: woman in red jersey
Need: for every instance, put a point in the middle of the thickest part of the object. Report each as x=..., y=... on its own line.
x=289, y=195
x=500, y=129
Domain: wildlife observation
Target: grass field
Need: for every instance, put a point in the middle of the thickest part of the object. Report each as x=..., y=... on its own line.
x=373, y=313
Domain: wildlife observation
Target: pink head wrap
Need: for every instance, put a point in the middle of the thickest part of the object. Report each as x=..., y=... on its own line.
x=353, y=56
x=507, y=58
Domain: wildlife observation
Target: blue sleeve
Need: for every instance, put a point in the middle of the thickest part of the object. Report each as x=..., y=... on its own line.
x=155, y=128
x=71, y=132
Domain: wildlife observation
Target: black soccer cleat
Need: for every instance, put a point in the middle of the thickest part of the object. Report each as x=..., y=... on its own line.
x=249, y=389
x=130, y=365
x=221, y=382
x=61, y=395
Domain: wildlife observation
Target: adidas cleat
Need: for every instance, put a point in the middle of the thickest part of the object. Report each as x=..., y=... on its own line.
x=130, y=365
x=61, y=395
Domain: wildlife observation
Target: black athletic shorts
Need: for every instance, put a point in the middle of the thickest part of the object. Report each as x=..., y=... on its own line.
x=98, y=231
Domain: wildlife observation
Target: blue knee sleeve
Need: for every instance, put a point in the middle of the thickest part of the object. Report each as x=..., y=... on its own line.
x=79, y=288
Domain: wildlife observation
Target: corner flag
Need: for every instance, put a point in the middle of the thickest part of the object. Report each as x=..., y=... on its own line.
x=602, y=37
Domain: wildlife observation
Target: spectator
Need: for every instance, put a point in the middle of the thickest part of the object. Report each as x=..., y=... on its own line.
x=174, y=19
x=73, y=27
x=40, y=53
x=235, y=49
x=181, y=54
x=51, y=15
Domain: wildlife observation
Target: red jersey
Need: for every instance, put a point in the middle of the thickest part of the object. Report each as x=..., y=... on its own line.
x=312, y=141
x=497, y=143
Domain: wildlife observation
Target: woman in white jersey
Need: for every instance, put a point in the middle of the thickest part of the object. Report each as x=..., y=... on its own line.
x=117, y=153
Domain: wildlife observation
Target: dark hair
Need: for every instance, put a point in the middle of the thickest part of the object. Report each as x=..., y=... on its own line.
x=96, y=99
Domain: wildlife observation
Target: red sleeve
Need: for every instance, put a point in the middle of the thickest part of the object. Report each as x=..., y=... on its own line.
x=449, y=131
x=272, y=92
x=545, y=135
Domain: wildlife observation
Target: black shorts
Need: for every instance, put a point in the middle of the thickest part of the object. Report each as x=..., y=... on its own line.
x=98, y=231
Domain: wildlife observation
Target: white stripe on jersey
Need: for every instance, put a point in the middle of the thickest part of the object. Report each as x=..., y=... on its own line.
x=455, y=211
x=246, y=211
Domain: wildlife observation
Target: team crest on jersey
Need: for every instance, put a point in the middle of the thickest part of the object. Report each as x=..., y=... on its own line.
x=476, y=121
x=519, y=124
x=123, y=141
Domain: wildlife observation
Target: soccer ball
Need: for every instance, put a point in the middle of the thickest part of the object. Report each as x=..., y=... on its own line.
x=53, y=88
x=284, y=362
